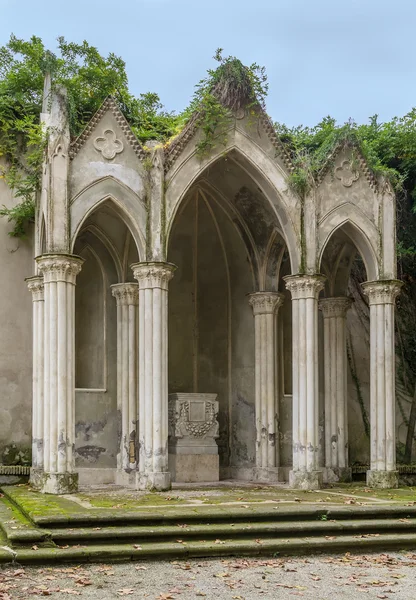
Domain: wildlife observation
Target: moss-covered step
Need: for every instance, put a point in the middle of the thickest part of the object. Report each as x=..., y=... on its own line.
x=59, y=511
x=17, y=528
x=94, y=535
x=226, y=547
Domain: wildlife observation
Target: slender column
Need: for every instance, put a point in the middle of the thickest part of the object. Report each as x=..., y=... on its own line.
x=35, y=285
x=127, y=298
x=305, y=291
x=382, y=295
x=59, y=275
x=153, y=278
x=334, y=311
x=265, y=309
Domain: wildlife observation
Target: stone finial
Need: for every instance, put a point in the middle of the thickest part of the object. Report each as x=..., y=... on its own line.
x=304, y=286
x=59, y=267
x=35, y=285
x=335, y=307
x=153, y=274
x=382, y=292
x=264, y=303
x=126, y=293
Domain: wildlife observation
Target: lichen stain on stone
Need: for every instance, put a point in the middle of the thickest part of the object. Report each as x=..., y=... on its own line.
x=89, y=429
x=90, y=453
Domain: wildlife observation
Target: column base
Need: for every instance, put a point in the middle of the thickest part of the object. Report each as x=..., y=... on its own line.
x=268, y=474
x=305, y=480
x=36, y=478
x=59, y=483
x=154, y=481
x=383, y=479
x=337, y=474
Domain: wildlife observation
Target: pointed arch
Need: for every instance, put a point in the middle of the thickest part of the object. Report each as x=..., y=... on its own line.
x=262, y=169
x=125, y=202
x=358, y=228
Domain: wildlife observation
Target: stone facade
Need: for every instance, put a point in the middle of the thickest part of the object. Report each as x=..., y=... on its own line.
x=157, y=272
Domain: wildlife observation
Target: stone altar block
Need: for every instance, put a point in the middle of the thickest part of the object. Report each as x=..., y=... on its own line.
x=193, y=428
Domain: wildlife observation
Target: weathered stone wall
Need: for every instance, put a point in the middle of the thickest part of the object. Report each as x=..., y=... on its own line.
x=16, y=263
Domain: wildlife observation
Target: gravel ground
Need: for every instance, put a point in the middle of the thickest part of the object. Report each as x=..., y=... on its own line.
x=319, y=578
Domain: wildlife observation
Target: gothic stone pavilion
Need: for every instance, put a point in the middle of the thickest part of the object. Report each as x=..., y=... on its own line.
x=190, y=315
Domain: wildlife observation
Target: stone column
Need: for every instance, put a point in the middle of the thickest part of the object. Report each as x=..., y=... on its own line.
x=265, y=309
x=127, y=298
x=382, y=295
x=305, y=289
x=153, y=278
x=334, y=311
x=35, y=285
x=59, y=275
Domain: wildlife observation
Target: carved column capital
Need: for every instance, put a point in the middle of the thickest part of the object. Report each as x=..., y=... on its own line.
x=153, y=274
x=265, y=303
x=382, y=292
x=335, y=307
x=126, y=293
x=305, y=286
x=35, y=285
x=59, y=267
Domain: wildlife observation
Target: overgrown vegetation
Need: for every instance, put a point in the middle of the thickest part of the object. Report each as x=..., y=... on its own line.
x=389, y=148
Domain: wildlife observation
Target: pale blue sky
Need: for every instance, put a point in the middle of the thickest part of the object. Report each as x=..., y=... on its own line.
x=349, y=58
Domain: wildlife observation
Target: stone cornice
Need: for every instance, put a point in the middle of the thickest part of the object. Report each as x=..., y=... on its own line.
x=382, y=292
x=59, y=267
x=126, y=294
x=335, y=307
x=36, y=286
x=108, y=105
x=153, y=274
x=304, y=286
x=265, y=303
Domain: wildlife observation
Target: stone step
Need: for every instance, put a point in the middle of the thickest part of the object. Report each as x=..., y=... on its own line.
x=234, y=530
x=248, y=546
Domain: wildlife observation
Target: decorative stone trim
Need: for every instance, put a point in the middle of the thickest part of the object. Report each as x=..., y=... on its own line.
x=368, y=174
x=305, y=286
x=59, y=267
x=174, y=150
x=35, y=285
x=345, y=173
x=153, y=274
x=335, y=307
x=382, y=292
x=264, y=303
x=108, y=105
x=193, y=416
x=108, y=144
x=126, y=293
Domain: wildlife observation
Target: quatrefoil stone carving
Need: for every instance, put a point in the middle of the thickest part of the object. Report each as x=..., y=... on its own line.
x=108, y=144
x=346, y=174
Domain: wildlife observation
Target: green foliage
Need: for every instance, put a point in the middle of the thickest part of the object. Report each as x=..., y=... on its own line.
x=88, y=78
x=229, y=88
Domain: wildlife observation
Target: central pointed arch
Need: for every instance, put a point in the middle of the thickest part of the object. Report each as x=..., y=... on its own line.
x=265, y=173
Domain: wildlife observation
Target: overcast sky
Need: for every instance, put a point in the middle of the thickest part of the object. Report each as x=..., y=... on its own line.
x=345, y=58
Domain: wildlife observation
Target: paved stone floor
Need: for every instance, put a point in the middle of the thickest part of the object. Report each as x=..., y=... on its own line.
x=341, y=577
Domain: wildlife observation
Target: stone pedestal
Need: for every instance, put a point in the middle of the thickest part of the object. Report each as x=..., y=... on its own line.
x=127, y=298
x=305, y=290
x=193, y=429
x=265, y=309
x=35, y=285
x=153, y=279
x=334, y=312
x=381, y=296
x=59, y=274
